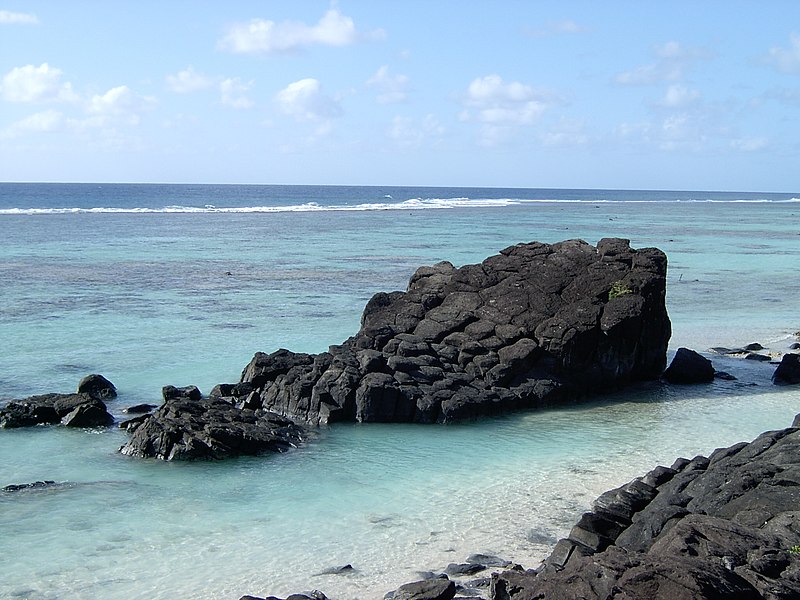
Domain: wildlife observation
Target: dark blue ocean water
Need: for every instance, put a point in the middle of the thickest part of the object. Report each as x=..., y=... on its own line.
x=178, y=284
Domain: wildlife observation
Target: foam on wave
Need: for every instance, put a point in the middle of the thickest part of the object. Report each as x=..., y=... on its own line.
x=411, y=204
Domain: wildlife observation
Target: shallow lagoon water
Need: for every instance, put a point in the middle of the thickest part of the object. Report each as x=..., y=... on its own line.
x=159, y=298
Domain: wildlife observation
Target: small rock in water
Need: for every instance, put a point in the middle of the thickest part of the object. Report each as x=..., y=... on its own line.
x=688, y=366
x=28, y=486
x=348, y=568
x=459, y=569
x=724, y=375
x=754, y=347
x=488, y=560
x=97, y=387
x=139, y=408
x=544, y=538
x=757, y=357
x=788, y=372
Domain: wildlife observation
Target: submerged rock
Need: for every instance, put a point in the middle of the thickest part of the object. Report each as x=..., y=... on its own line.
x=35, y=485
x=725, y=526
x=534, y=325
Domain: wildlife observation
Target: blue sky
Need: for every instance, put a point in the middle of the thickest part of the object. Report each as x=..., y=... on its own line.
x=636, y=95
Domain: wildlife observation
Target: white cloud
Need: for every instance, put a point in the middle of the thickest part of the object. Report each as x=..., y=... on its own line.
x=41, y=122
x=749, y=144
x=234, y=93
x=679, y=96
x=119, y=102
x=14, y=18
x=566, y=133
x=189, y=80
x=786, y=60
x=305, y=101
x=502, y=107
x=413, y=133
x=565, y=27
x=262, y=36
x=30, y=84
x=500, y=103
x=672, y=62
x=391, y=88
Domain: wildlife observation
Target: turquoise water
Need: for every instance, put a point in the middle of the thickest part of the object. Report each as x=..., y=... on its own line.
x=155, y=285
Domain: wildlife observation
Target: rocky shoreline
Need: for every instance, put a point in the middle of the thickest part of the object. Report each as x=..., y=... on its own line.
x=536, y=325
x=726, y=526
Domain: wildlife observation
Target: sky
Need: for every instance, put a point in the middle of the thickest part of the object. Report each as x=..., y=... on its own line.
x=682, y=95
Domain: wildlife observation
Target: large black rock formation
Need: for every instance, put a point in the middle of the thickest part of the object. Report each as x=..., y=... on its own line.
x=534, y=325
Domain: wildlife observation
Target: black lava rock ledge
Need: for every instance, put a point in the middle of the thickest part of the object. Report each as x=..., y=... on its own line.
x=722, y=527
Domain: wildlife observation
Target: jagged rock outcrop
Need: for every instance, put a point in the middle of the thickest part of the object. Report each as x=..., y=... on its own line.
x=726, y=526
x=208, y=428
x=534, y=325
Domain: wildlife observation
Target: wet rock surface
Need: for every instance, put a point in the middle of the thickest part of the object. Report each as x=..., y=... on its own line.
x=723, y=526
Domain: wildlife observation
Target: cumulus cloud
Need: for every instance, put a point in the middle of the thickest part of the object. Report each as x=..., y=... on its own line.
x=14, y=18
x=786, y=60
x=120, y=102
x=41, y=122
x=188, y=80
x=502, y=107
x=672, y=61
x=305, y=101
x=566, y=133
x=31, y=84
x=679, y=96
x=262, y=36
x=391, y=88
x=491, y=100
x=234, y=93
x=413, y=133
x=749, y=144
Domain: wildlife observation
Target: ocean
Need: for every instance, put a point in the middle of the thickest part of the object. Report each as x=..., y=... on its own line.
x=153, y=285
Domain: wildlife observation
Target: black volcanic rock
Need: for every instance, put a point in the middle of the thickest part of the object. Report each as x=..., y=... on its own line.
x=726, y=526
x=208, y=428
x=688, y=366
x=533, y=325
x=788, y=371
x=427, y=589
x=72, y=410
x=97, y=386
